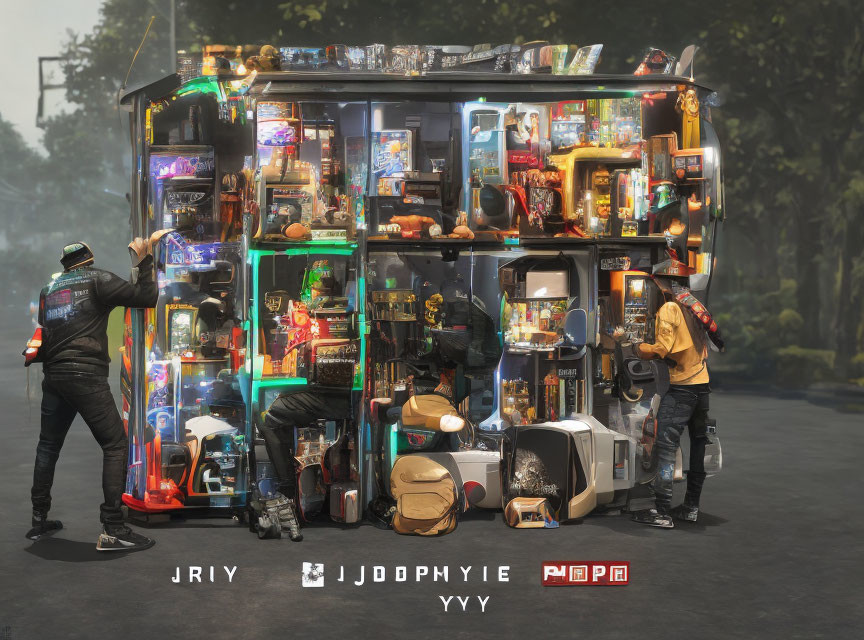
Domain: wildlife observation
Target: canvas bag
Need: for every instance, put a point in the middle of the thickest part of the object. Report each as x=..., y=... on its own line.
x=427, y=499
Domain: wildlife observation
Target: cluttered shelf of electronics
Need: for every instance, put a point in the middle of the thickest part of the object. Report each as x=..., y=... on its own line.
x=543, y=61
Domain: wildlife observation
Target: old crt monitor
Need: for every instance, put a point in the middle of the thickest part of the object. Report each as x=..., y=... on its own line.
x=547, y=284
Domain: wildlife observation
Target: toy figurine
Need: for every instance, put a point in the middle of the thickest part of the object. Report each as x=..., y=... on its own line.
x=433, y=310
x=266, y=60
x=688, y=105
x=413, y=226
x=445, y=382
x=231, y=206
x=462, y=232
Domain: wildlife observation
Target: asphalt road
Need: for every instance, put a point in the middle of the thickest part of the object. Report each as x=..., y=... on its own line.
x=777, y=554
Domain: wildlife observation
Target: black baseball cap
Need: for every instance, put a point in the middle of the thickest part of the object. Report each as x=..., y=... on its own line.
x=77, y=254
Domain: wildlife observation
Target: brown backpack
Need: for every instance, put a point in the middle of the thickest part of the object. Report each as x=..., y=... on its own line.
x=427, y=499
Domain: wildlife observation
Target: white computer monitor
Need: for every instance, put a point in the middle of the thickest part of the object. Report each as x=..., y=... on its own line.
x=547, y=284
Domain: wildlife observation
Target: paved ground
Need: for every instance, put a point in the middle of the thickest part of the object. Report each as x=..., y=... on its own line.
x=777, y=554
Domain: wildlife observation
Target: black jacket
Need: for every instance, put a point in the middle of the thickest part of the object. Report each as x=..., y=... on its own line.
x=74, y=309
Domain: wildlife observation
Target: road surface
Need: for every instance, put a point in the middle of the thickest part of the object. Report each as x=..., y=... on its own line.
x=777, y=554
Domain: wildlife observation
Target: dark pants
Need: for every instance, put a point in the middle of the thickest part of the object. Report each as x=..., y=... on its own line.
x=292, y=410
x=63, y=396
x=683, y=406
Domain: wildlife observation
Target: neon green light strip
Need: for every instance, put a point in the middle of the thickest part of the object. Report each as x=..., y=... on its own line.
x=361, y=306
x=394, y=437
x=323, y=249
x=278, y=382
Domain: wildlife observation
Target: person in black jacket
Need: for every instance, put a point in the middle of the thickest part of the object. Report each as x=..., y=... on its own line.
x=73, y=314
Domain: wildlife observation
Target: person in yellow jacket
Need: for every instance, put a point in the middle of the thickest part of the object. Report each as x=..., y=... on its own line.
x=679, y=337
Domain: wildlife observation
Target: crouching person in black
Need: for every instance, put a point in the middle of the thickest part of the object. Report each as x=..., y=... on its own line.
x=288, y=412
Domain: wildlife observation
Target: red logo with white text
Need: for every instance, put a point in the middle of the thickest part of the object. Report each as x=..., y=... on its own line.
x=596, y=573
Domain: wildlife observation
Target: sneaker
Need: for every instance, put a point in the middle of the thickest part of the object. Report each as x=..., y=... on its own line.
x=42, y=527
x=686, y=513
x=653, y=518
x=122, y=538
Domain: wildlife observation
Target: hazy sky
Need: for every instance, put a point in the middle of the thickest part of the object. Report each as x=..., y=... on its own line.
x=29, y=29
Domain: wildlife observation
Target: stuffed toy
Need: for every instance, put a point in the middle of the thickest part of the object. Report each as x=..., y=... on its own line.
x=412, y=226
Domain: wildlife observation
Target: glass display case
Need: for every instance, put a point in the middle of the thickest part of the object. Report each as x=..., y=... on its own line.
x=187, y=423
x=306, y=338
x=546, y=169
x=305, y=311
x=484, y=153
x=433, y=330
x=542, y=375
x=635, y=299
x=411, y=184
x=312, y=160
x=485, y=329
x=569, y=127
x=614, y=122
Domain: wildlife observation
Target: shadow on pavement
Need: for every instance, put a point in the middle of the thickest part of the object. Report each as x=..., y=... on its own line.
x=705, y=521
x=622, y=524
x=62, y=550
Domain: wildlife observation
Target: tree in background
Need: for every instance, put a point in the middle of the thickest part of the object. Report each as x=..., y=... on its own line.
x=791, y=282
x=23, y=204
x=792, y=128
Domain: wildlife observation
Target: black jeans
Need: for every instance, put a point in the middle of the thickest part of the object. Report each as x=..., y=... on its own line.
x=63, y=396
x=300, y=409
x=683, y=406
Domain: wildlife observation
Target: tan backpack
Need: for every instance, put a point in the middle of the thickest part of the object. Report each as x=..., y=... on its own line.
x=427, y=499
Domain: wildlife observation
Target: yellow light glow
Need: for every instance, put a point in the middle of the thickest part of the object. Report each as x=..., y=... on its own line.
x=241, y=70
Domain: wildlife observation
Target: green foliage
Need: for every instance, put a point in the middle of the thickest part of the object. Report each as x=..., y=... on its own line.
x=757, y=327
x=792, y=129
x=790, y=323
x=24, y=203
x=857, y=366
x=798, y=367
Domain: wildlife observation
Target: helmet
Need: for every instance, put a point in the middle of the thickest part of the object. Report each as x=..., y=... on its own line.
x=655, y=61
x=663, y=194
x=74, y=255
